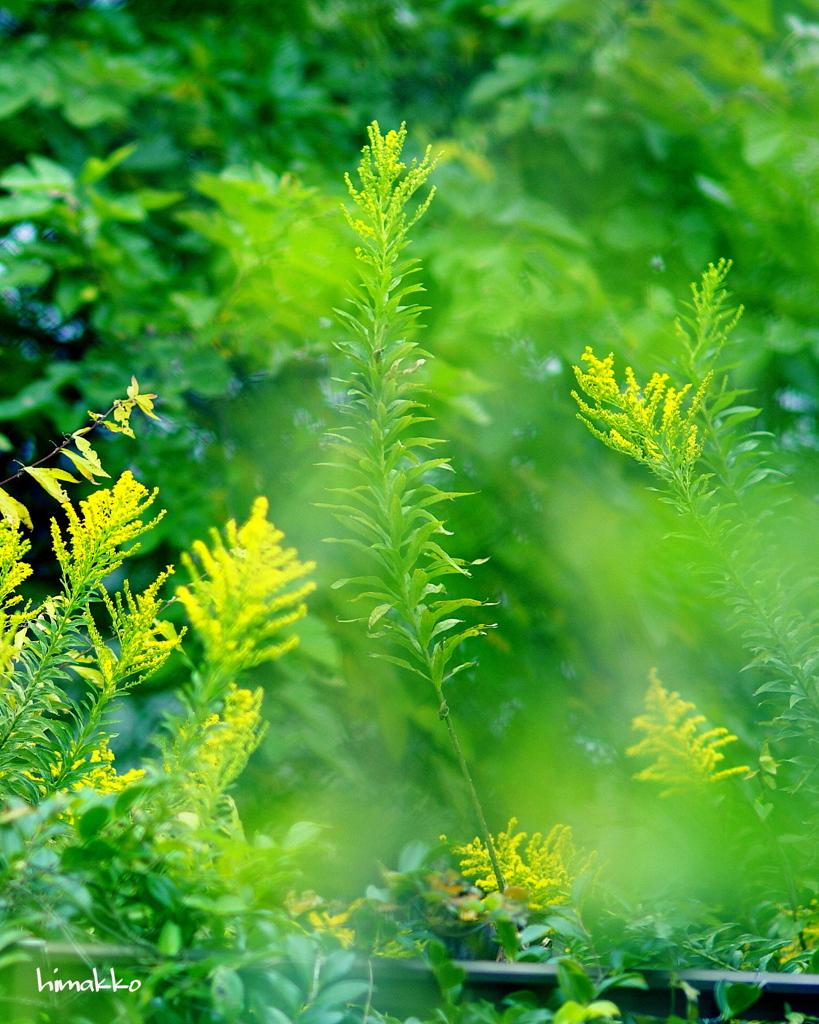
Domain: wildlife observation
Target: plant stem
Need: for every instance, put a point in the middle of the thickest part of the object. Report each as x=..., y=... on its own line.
x=443, y=712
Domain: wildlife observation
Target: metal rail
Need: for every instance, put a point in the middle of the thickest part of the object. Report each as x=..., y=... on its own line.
x=404, y=987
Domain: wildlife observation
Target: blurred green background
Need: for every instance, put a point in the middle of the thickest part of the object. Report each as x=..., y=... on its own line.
x=173, y=177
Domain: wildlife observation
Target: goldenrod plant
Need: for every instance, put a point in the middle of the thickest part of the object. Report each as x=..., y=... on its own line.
x=390, y=507
x=685, y=755
x=248, y=590
x=47, y=742
x=695, y=436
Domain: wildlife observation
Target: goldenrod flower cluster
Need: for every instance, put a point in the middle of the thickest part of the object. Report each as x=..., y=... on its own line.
x=545, y=869
x=13, y=570
x=808, y=935
x=241, y=602
x=107, y=520
x=229, y=740
x=334, y=924
x=685, y=756
x=99, y=772
x=647, y=423
x=384, y=193
x=144, y=641
x=102, y=776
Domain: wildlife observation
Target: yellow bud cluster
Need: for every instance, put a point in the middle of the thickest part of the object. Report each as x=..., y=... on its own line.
x=98, y=772
x=13, y=570
x=686, y=757
x=386, y=185
x=646, y=423
x=545, y=868
x=145, y=642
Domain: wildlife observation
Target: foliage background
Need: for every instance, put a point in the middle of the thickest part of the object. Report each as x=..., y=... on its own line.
x=174, y=181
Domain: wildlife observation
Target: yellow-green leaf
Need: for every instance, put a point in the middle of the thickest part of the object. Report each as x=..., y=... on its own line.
x=91, y=674
x=88, y=462
x=49, y=479
x=13, y=511
x=144, y=402
x=146, y=405
x=115, y=428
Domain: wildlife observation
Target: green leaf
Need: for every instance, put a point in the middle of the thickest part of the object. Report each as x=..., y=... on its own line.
x=89, y=109
x=449, y=976
x=170, y=939
x=127, y=798
x=94, y=819
x=571, y=1013
x=21, y=207
x=42, y=175
x=734, y=997
x=156, y=199
x=574, y=983
x=26, y=274
x=227, y=992
x=40, y=393
x=341, y=993
x=301, y=834
x=508, y=936
x=94, y=169
x=378, y=613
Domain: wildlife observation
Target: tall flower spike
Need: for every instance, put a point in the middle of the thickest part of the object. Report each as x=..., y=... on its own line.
x=391, y=500
x=686, y=758
x=242, y=601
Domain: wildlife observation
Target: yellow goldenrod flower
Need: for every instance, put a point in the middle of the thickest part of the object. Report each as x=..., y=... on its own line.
x=101, y=774
x=323, y=921
x=107, y=520
x=646, y=423
x=685, y=756
x=545, y=869
x=13, y=570
x=241, y=603
x=383, y=196
x=228, y=740
x=144, y=643
x=98, y=771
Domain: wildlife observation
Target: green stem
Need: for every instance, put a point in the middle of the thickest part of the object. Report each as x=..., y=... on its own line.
x=443, y=712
